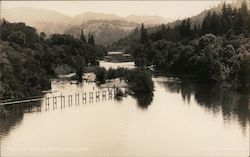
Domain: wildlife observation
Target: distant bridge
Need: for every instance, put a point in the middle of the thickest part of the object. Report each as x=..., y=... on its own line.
x=57, y=100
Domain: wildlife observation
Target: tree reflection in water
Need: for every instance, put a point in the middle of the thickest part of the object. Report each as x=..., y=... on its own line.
x=232, y=103
x=144, y=100
x=14, y=117
x=6, y=124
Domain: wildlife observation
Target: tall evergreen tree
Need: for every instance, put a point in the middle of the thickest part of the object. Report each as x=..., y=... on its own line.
x=215, y=25
x=182, y=28
x=188, y=27
x=79, y=68
x=185, y=28
x=206, y=24
x=42, y=36
x=227, y=14
x=244, y=9
x=245, y=16
x=91, y=39
x=82, y=37
x=238, y=23
x=144, y=35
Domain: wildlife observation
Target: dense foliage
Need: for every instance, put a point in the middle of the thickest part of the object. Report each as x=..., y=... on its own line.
x=21, y=74
x=29, y=59
x=217, y=50
x=139, y=80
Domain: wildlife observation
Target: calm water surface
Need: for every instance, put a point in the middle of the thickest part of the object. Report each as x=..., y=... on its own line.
x=181, y=119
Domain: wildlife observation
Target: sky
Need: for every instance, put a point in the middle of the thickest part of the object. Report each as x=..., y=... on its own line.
x=168, y=9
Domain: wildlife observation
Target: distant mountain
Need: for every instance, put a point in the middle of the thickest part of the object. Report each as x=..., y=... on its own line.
x=148, y=20
x=105, y=31
x=50, y=21
x=42, y=19
x=84, y=17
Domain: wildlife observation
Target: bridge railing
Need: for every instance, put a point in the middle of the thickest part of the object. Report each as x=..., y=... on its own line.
x=80, y=95
x=59, y=100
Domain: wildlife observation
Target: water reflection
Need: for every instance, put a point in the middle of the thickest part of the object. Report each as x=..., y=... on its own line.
x=214, y=98
x=144, y=100
x=14, y=116
x=7, y=124
x=158, y=122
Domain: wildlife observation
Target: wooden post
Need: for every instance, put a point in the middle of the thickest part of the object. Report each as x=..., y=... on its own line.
x=68, y=100
x=29, y=106
x=97, y=96
x=110, y=94
x=45, y=102
x=37, y=106
x=84, y=97
x=76, y=98
x=104, y=95
x=40, y=105
x=48, y=103
x=53, y=102
x=61, y=100
x=91, y=96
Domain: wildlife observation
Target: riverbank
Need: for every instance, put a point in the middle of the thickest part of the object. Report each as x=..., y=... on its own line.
x=28, y=60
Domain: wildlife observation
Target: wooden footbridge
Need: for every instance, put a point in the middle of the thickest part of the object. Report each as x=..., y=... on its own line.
x=57, y=100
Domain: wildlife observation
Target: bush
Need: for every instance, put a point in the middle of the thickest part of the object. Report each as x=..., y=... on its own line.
x=63, y=69
x=140, y=81
x=100, y=74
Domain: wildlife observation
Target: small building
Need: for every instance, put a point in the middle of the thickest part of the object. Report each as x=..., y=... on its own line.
x=118, y=57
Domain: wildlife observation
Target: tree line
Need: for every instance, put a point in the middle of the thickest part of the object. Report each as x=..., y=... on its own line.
x=229, y=20
x=28, y=59
x=217, y=50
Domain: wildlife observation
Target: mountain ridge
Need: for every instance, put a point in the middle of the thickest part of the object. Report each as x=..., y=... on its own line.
x=101, y=29
x=41, y=18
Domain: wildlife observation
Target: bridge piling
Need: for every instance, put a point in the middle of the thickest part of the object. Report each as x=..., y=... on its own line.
x=47, y=101
x=36, y=104
x=76, y=98
x=61, y=99
x=110, y=94
x=91, y=97
x=104, y=95
x=84, y=97
x=70, y=100
x=97, y=93
x=54, y=102
x=40, y=105
x=29, y=106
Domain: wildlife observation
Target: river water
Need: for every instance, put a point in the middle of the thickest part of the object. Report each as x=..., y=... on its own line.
x=181, y=119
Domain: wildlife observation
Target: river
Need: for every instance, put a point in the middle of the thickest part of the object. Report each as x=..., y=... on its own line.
x=181, y=119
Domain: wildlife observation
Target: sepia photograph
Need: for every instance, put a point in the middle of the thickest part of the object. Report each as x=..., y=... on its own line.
x=116, y=78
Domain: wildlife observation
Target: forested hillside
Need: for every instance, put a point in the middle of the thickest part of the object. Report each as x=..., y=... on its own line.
x=29, y=59
x=219, y=49
x=104, y=31
x=195, y=22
